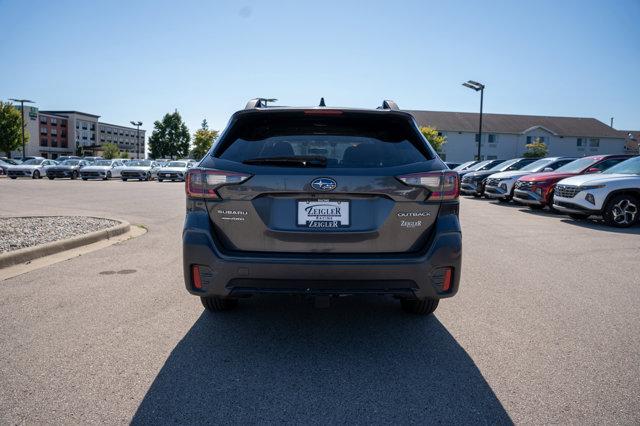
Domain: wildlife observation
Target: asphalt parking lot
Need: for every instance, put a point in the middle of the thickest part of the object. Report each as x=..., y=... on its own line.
x=545, y=329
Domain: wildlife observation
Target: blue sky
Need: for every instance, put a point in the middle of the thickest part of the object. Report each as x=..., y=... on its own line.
x=137, y=60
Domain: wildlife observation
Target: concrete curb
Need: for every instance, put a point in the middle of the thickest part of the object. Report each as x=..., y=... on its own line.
x=29, y=253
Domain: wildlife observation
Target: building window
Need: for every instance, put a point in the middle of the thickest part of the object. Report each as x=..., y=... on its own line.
x=477, y=137
x=532, y=139
x=594, y=142
x=63, y=143
x=580, y=142
x=43, y=130
x=63, y=134
x=54, y=122
x=93, y=127
x=54, y=132
x=54, y=143
x=63, y=123
x=492, y=138
x=43, y=120
x=44, y=142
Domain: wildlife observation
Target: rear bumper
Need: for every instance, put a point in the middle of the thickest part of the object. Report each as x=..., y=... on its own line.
x=415, y=275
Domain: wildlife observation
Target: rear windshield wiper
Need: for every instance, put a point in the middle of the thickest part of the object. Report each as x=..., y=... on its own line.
x=297, y=161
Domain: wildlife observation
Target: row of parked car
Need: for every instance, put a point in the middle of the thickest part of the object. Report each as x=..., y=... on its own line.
x=87, y=168
x=601, y=185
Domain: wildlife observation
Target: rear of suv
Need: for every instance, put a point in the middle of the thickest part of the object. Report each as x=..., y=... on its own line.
x=322, y=202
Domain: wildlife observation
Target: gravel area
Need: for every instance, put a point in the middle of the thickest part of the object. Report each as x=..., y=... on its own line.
x=21, y=232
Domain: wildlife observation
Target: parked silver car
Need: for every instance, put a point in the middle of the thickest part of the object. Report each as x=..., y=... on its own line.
x=102, y=169
x=34, y=168
x=175, y=170
x=67, y=169
x=139, y=169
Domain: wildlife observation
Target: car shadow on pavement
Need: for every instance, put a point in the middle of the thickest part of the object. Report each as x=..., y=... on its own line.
x=278, y=359
x=599, y=225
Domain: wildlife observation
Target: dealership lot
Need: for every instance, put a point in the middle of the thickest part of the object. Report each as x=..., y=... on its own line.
x=544, y=329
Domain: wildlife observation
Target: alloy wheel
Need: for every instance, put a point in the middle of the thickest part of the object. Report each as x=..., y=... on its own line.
x=624, y=212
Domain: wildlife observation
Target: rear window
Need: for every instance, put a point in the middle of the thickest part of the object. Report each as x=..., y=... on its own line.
x=345, y=141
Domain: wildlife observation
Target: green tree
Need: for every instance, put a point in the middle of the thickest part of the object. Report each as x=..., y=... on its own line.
x=110, y=151
x=436, y=141
x=536, y=149
x=170, y=137
x=124, y=155
x=202, y=140
x=11, y=128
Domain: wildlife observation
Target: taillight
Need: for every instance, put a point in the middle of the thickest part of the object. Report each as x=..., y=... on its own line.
x=443, y=185
x=203, y=183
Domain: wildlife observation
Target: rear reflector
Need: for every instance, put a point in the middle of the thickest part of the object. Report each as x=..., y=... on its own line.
x=203, y=183
x=446, y=283
x=195, y=273
x=443, y=185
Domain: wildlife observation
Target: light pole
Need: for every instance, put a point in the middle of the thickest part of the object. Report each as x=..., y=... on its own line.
x=477, y=87
x=22, y=102
x=137, y=124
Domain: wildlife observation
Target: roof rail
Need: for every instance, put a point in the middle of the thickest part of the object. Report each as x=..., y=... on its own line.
x=258, y=103
x=389, y=104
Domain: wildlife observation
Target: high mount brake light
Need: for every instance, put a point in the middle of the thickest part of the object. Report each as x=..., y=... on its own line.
x=444, y=185
x=323, y=112
x=203, y=183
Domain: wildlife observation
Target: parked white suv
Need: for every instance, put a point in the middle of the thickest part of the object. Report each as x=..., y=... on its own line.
x=500, y=185
x=613, y=194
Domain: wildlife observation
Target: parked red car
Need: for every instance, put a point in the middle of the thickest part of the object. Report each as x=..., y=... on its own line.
x=536, y=190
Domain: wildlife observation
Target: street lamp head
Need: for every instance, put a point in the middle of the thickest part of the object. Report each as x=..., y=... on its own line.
x=136, y=123
x=24, y=101
x=473, y=85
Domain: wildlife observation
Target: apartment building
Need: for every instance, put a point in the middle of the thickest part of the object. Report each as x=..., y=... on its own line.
x=507, y=135
x=57, y=133
x=127, y=138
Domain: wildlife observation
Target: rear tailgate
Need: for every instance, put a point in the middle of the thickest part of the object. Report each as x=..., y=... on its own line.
x=354, y=204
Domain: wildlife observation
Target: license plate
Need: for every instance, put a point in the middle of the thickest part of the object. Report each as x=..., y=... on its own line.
x=323, y=214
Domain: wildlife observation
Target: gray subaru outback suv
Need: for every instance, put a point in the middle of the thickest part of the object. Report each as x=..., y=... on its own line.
x=322, y=201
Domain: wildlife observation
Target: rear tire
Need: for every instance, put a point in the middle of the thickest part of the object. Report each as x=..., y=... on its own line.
x=124, y=179
x=535, y=207
x=159, y=180
x=622, y=211
x=578, y=216
x=218, y=304
x=85, y=178
x=504, y=200
x=108, y=176
x=13, y=177
x=424, y=306
x=51, y=177
x=36, y=175
x=74, y=175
